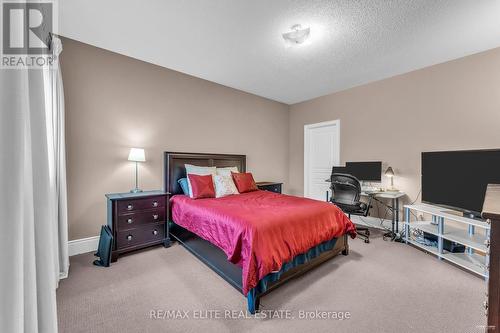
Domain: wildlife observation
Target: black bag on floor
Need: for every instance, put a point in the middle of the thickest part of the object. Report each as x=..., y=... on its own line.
x=104, y=248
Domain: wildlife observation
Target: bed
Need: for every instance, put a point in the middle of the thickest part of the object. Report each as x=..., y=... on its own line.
x=256, y=241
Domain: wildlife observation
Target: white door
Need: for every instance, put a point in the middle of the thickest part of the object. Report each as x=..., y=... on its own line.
x=321, y=153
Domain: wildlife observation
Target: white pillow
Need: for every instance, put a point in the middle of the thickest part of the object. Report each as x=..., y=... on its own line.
x=224, y=186
x=226, y=171
x=198, y=170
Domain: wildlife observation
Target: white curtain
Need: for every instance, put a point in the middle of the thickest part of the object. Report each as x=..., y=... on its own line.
x=54, y=111
x=33, y=234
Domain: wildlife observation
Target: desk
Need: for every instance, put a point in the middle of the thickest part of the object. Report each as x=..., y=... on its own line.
x=394, y=196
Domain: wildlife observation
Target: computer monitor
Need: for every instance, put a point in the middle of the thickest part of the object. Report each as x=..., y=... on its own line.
x=365, y=171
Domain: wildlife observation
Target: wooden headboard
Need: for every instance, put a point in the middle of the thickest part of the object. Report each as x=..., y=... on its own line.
x=174, y=169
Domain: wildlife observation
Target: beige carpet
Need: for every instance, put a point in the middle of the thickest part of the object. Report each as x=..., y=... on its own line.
x=386, y=287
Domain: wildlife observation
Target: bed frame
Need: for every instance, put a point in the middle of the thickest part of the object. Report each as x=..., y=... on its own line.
x=210, y=254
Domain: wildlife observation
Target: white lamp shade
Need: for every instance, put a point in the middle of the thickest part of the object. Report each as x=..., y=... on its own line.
x=137, y=155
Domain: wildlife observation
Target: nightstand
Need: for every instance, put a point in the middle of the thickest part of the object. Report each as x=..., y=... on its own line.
x=269, y=186
x=137, y=220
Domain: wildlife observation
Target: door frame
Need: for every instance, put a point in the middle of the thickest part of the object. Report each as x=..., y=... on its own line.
x=307, y=129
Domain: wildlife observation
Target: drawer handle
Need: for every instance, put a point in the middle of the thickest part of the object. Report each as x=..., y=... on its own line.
x=129, y=237
x=155, y=232
x=130, y=207
x=155, y=203
x=485, y=305
x=155, y=216
x=129, y=221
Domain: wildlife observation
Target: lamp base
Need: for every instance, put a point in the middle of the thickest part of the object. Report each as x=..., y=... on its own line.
x=136, y=190
x=391, y=189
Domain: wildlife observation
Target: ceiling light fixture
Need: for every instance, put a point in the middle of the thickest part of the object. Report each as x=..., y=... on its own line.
x=298, y=35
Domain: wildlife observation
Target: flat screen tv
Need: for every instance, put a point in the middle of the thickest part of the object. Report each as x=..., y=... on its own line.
x=458, y=179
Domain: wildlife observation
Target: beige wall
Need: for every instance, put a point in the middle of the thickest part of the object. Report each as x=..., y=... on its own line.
x=455, y=105
x=114, y=102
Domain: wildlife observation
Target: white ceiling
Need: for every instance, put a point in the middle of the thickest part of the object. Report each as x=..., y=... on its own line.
x=238, y=43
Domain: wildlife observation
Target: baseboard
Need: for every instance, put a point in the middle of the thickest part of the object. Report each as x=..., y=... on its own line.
x=84, y=245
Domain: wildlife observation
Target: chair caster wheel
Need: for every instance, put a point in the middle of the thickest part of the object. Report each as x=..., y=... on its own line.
x=367, y=241
x=368, y=232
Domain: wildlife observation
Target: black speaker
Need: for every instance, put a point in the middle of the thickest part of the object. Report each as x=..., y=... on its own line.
x=104, y=248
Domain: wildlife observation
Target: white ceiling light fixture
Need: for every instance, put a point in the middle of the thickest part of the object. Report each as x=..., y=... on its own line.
x=298, y=35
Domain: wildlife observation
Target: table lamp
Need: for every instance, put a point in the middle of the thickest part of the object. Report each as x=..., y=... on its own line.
x=136, y=155
x=390, y=173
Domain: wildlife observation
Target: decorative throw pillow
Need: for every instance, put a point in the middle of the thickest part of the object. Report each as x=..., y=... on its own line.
x=198, y=170
x=244, y=182
x=202, y=186
x=227, y=171
x=183, y=183
x=224, y=186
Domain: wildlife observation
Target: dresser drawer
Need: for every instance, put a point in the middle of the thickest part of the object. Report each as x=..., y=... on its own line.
x=131, y=205
x=141, y=235
x=132, y=220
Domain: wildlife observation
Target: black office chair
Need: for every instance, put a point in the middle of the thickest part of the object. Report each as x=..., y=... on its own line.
x=346, y=191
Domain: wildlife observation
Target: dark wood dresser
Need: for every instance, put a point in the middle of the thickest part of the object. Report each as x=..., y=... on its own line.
x=269, y=186
x=137, y=220
x=491, y=212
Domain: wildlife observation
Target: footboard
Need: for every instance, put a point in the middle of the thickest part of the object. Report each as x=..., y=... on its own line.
x=299, y=265
x=216, y=259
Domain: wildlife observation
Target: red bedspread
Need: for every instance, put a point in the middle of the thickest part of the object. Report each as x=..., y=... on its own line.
x=260, y=231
